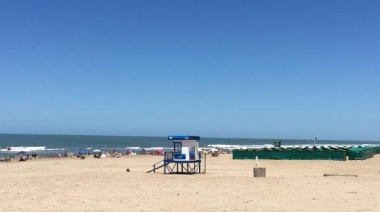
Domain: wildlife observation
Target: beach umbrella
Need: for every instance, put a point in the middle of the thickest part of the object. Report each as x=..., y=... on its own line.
x=82, y=152
x=21, y=153
x=214, y=150
x=97, y=150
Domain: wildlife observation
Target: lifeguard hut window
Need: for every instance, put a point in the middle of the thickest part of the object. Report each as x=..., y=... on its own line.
x=177, y=147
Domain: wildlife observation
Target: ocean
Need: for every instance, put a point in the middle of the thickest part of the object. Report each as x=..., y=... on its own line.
x=50, y=145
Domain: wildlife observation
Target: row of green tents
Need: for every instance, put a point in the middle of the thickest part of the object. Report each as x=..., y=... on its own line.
x=340, y=153
x=362, y=152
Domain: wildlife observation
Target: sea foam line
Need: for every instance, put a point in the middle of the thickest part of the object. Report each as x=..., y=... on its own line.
x=23, y=148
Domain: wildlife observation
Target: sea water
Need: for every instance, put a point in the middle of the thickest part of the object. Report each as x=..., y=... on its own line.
x=49, y=145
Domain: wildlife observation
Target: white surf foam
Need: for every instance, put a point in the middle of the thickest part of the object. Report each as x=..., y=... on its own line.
x=24, y=148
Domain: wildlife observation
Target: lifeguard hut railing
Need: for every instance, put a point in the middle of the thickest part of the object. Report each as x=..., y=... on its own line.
x=174, y=166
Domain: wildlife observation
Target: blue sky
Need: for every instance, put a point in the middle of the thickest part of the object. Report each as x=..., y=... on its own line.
x=251, y=69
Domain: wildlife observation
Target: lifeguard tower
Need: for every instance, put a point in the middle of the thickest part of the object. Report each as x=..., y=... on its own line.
x=183, y=159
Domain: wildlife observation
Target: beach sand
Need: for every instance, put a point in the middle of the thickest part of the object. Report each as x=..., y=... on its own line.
x=72, y=184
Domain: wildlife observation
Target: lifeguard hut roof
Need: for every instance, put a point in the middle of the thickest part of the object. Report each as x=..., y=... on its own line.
x=183, y=137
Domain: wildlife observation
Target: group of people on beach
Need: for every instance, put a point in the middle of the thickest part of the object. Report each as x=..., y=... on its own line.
x=64, y=155
x=34, y=155
x=155, y=152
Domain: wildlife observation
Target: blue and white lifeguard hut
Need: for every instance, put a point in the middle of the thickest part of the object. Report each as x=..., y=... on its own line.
x=185, y=148
x=183, y=159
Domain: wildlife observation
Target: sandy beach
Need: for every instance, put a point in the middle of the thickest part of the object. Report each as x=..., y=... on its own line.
x=72, y=184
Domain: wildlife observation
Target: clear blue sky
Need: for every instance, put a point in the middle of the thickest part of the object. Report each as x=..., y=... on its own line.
x=253, y=69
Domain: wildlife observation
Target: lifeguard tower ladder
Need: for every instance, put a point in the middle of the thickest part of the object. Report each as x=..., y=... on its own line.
x=183, y=159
